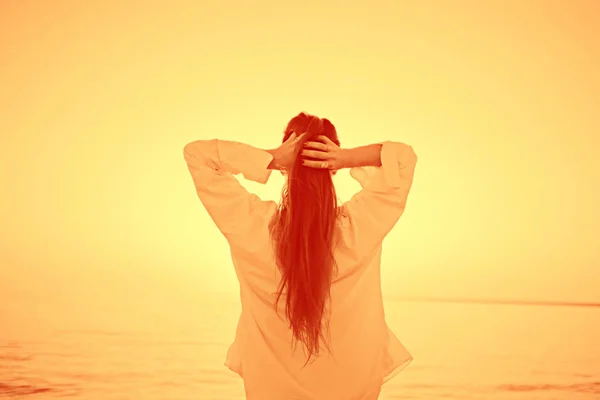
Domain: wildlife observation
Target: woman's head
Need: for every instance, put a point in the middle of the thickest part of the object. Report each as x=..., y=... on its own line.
x=303, y=232
x=313, y=126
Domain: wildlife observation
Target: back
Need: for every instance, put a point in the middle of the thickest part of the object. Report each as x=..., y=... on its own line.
x=364, y=352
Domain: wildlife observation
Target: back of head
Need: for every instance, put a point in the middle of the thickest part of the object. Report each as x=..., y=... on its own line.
x=303, y=233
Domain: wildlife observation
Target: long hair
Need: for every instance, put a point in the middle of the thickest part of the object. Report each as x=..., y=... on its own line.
x=303, y=231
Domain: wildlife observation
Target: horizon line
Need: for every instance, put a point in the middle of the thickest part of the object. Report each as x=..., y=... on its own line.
x=472, y=300
x=464, y=300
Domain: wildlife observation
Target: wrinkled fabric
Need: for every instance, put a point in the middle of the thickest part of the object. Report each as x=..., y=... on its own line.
x=365, y=353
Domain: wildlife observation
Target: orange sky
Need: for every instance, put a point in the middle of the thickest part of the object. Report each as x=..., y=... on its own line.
x=500, y=100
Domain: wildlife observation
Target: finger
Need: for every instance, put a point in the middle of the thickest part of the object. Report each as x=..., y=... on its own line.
x=295, y=138
x=302, y=136
x=316, y=145
x=314, y=154
x=291, y=138
x=315, y=164
x=326, y=140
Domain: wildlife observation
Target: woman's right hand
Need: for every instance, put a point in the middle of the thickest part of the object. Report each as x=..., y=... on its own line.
x=325, y=154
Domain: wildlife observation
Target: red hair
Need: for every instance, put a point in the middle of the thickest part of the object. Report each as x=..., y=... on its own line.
x=303, y=231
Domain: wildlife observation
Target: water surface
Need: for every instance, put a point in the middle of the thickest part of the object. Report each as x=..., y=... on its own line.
x=173, y=348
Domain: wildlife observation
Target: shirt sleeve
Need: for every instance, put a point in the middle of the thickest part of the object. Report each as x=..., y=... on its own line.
x=212, y=164
x=374, y=210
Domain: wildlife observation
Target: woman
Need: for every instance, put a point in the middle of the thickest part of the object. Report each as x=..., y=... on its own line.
x=312, y=324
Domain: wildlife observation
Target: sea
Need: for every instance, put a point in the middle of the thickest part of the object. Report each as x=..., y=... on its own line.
x=173, y=348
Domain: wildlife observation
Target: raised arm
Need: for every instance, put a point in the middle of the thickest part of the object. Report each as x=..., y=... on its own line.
x=385, y=171
x=364, y=156
x=212, y=164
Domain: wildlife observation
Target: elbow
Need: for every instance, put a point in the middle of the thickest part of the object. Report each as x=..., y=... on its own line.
x=193, y=149
x=409, y=156
x=200, y=150
x=192, y=152
x=199, y=145
x=188, y=149
x=413, y=156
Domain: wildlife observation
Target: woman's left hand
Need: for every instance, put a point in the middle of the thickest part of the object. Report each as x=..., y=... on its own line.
x=285, y=155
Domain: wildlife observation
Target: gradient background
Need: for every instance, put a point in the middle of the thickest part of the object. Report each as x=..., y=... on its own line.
x=500, y=100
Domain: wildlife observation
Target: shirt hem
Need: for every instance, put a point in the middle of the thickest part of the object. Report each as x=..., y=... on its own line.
x=395, y=370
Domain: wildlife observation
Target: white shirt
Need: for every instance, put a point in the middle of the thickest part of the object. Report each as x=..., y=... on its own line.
x=365, y=353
